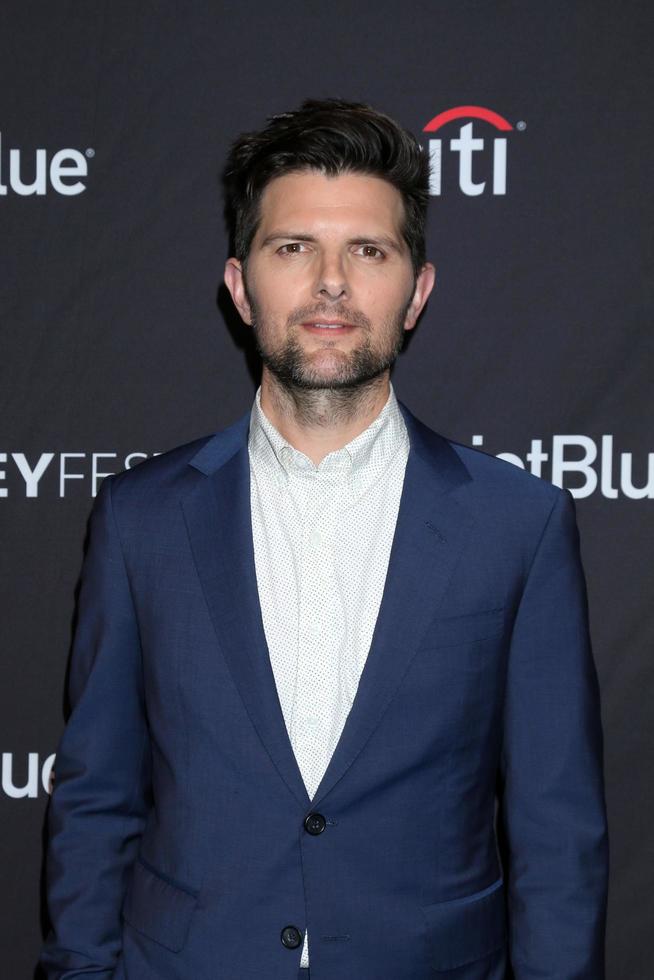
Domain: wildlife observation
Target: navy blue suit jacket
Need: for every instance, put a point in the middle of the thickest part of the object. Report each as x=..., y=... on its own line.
x=178, y=849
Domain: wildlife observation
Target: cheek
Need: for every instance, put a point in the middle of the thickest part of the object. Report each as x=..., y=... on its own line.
x=279, y=292
x=382, y=292
x=381, y=304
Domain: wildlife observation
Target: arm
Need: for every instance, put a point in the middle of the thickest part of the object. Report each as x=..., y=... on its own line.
x=100, y=799
x=553, y=800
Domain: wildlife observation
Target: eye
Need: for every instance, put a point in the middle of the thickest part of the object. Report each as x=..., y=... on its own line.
x=370, y=252
x=292, y=248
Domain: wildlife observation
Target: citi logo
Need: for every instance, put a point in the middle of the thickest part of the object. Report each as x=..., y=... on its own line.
x=61, y=172
x=466, y=145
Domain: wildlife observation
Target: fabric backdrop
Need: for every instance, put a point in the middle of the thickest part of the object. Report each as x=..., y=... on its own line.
x=118, y=341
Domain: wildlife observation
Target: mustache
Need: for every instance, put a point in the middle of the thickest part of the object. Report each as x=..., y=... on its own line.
x=304, y=314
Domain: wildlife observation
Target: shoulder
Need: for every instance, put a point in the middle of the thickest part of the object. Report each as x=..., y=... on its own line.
x=170, y=474
x=519, y=503
x=494, y=475
x=494, y=489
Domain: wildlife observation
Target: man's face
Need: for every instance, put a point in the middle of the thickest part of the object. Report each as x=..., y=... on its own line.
x=329, y=287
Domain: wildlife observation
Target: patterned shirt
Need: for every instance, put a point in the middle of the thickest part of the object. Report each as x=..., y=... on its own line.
x=322, y=540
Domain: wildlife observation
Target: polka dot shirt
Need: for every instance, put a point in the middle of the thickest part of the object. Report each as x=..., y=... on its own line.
x=322, y=539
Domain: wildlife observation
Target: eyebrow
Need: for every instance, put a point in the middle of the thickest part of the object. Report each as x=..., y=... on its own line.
x=290, y=236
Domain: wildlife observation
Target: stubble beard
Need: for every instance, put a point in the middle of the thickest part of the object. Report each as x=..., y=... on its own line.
x=328, y=396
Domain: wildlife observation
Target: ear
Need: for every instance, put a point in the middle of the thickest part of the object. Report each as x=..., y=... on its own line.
x=235, y=284
x=424, y=285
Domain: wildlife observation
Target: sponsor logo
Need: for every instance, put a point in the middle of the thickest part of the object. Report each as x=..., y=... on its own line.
x=27, y=174
x=579, y=463
x=27, y=777
x=583, y=466
x=465, y=145
x=58, y=473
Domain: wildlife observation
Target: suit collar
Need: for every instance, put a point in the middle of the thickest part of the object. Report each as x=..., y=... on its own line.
x=444, y=465
x=220, y=448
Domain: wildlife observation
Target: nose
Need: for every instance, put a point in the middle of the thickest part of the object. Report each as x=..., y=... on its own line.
x=331, y=282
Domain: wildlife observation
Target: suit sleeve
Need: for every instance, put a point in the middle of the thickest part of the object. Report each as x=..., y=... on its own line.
x=553, y=805
x=102, y=770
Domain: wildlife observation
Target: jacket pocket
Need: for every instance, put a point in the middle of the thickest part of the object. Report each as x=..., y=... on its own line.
x=466, y=929
x=158, y=908
x=468, y=628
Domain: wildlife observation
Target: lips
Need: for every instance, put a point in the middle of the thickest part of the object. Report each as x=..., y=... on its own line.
x=331, y=327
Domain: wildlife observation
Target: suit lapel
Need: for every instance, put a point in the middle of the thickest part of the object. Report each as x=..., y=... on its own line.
x=431, y=531
x=217, y=515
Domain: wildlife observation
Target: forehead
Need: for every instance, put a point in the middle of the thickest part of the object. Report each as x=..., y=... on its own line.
x=348, y=200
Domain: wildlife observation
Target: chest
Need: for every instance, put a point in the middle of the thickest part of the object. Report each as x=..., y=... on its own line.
x=321, y=552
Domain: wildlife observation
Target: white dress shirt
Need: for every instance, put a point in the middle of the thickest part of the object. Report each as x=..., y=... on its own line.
x=322, y=539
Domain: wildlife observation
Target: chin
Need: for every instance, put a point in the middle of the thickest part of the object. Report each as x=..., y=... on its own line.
x=332, y=368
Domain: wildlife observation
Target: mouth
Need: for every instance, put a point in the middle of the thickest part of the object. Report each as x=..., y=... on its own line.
x=331, y=328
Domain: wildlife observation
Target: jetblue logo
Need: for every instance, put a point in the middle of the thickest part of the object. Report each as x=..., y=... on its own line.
x=479, y=171
x=26, y=775
x=585, y=466
x=35, y=173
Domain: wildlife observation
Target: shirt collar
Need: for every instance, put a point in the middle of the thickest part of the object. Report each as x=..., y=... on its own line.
x=369, y=452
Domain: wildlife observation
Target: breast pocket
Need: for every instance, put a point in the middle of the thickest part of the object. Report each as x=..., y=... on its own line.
x=466, y=929
x=466, y=628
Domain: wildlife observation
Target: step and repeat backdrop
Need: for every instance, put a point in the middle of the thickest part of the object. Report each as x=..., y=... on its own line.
x=118, y=341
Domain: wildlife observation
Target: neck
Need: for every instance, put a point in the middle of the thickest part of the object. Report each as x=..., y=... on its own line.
x=319, y=421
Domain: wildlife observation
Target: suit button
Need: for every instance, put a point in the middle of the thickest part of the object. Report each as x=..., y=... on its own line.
x=291, y=937
x=315, y=823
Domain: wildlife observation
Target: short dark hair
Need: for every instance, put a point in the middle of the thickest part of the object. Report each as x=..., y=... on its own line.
x=333, y=137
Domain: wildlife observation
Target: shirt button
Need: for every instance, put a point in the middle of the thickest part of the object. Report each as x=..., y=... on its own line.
x=316, y=539
x=291, y=937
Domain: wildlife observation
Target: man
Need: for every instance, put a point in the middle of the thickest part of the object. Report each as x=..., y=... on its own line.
x=313, y=650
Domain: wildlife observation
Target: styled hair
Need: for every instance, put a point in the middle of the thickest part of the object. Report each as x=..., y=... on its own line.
x=332, y=137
